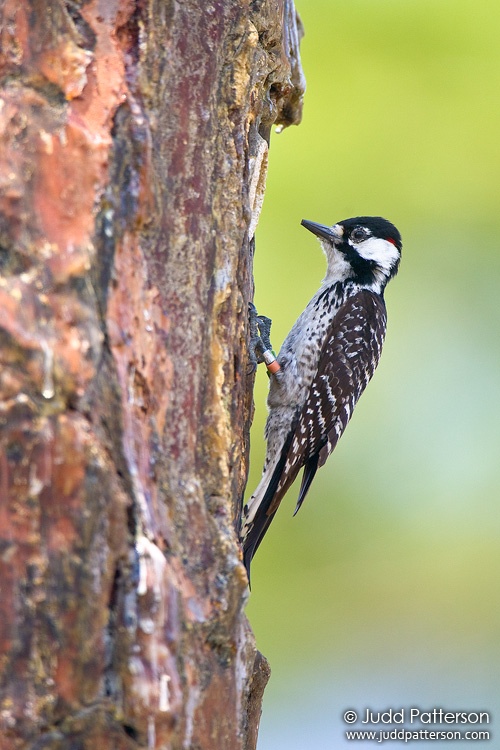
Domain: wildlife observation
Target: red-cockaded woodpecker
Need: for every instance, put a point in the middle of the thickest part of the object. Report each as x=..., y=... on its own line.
x=324, y=364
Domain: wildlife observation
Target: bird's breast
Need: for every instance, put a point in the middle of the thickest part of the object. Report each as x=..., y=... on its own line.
x=300, y=354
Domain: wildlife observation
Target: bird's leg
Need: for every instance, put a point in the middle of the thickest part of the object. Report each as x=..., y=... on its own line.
x=256, y=346
x=260, y=348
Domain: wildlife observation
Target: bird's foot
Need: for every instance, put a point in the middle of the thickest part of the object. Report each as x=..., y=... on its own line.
x=260, y=348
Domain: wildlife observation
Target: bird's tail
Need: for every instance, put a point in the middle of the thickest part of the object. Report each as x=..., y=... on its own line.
x=256, y=519
x=262, y=506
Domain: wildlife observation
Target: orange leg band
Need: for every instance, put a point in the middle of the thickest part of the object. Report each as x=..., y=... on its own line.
x=272, y=363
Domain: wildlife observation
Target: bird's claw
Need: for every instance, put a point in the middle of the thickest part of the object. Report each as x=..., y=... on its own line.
x=260, y=330
x=264, y=325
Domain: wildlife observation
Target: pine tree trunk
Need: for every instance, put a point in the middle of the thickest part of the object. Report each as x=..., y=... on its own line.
x=132, y=167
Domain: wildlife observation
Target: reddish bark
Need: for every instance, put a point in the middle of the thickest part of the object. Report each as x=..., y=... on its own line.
x=132, y=163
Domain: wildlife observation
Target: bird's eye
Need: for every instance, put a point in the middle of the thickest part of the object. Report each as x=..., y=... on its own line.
x=359, y=234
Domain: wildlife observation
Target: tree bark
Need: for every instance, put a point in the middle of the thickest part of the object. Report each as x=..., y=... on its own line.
x=132, y=168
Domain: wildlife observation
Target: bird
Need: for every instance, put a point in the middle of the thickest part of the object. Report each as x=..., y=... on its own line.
x=324, y=364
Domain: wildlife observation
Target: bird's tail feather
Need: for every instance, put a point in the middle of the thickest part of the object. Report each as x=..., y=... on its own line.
x=256, y=518
x=307, y=477
x=256, y=513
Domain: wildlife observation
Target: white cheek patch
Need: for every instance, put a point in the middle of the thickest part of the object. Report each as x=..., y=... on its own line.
x=383, y=252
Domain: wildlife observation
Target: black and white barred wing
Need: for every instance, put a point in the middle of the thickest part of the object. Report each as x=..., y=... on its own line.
x=350, y=354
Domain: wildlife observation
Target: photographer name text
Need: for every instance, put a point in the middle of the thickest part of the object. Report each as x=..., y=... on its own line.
x=431, y=716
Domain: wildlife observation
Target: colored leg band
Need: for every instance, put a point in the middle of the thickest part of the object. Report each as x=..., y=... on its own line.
x=271, y=361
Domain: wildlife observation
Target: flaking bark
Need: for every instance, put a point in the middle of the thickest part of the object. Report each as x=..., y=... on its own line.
x=132, y=168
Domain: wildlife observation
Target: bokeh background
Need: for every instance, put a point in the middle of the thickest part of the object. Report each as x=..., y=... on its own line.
x=384, y=590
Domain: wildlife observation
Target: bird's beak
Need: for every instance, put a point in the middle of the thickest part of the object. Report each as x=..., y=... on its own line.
x=332, y=234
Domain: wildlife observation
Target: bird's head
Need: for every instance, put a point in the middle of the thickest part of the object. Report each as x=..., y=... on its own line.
x=365, y=248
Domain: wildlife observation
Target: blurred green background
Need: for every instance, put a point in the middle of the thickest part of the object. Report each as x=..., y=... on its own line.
x=384, y=590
